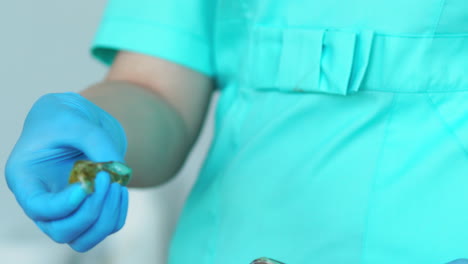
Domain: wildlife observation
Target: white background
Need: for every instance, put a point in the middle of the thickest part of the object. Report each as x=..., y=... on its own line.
x=44, y=47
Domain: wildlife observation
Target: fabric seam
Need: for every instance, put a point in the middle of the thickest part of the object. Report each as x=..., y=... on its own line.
x=411, y=92
x=240, y=150
x=446, y=124
x=361, y=90
x=376, y=173
x=106, y=41
x=441, y=10
x=377, y=34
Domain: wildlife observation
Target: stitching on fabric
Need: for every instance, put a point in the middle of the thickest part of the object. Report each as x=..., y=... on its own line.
x=442, y=6
x=446, y=124
x=431, y=36
x=298, y=85
x=362, y=90
x=270, y=123
x=377, y=34
x=267, y=126
x=372, y=191
x=239, y=152
x=390, y=90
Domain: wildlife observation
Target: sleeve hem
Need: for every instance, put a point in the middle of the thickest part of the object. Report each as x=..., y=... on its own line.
x=152, y=39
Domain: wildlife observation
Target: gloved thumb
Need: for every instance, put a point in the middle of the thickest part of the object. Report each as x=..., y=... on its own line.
x=41, y=205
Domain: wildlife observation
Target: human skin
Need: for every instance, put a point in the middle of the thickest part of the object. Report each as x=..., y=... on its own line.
x=161, y=106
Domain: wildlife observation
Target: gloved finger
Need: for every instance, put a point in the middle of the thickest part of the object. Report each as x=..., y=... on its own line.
x=123, y=209
x=97, y=145
x=41, y=205
x=70, y=120
x=36, y=200
x=104, y=139
x=70, y=130
x=97, y=115
x=105, y=223
x=68, y=229
x=80, y=131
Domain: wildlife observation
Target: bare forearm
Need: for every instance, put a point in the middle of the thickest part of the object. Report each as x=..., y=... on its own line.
x=158, y=138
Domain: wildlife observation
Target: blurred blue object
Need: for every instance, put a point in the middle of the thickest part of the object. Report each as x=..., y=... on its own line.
x=59, y=130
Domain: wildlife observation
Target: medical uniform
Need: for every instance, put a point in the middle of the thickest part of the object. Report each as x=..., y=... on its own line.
x=341, y=131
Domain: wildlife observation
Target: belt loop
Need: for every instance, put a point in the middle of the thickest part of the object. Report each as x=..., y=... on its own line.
x=336, y=61
x=344, y=61
x=299, y=68
x=307, y=60
x=362, y=55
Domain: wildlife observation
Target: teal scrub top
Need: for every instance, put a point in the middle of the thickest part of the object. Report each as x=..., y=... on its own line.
x=341, y=132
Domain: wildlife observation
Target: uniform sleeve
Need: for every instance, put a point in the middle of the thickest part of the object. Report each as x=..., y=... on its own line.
x=176, y=30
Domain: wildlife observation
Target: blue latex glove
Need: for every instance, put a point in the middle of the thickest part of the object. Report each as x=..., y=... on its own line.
x=459, y=261
x=59, y=130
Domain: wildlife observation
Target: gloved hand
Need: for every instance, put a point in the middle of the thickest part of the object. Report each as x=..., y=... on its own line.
x=59, y=130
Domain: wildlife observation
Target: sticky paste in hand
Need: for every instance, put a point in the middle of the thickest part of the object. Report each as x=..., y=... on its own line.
x=85, y=172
